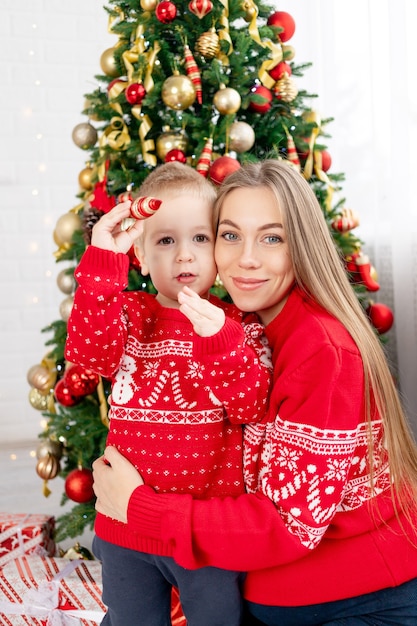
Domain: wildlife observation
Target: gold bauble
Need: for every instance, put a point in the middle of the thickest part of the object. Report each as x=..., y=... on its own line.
x=49, y=446
x=93, y=116
x=178, y=92
x=66, y=282
x=285, y=89
x=65, y=227
x=250, y=9
x=169, y=140
x=108, y=63
x=48, y=467
x=41, y=377
x=84, y=135
x=227, y=100
x=208, y=44
x=288, y=52
x=65, y=308
x=241, y=137
x=38, y=400
x=148, y=5
x=85, y=178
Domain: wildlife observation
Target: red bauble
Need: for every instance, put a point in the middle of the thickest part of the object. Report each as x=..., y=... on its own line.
x=135, y=93
x=279, y=70
x=63, y=395
x=200, y=8
x=166, y=11
x=265, y=105
x=381, y=316
x=221, y=168
x=79, y=485
x=175, y=155
x=80, y=381
x=326, y=161
x=285, y=21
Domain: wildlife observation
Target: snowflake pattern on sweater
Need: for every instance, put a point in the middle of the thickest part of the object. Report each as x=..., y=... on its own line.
x=178, y=401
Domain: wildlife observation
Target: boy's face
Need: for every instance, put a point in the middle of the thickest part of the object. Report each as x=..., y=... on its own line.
x=177, y=247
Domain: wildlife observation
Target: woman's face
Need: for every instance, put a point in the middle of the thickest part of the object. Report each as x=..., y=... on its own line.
x=252, y=253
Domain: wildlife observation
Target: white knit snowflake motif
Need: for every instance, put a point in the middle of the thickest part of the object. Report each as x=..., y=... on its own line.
x=195, y=370
x=151, y=369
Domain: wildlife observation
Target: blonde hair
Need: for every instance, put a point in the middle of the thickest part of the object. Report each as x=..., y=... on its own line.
x=320, y=272
x=175, y=179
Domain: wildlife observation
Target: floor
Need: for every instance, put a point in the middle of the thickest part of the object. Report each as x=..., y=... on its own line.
x=21, y=488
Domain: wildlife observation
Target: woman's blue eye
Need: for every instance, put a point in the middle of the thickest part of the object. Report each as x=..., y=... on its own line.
x=229, y=236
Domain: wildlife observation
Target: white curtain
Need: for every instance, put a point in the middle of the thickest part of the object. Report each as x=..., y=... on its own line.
x=363, y=54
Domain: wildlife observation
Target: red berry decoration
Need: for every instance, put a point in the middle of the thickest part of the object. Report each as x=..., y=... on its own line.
x=221, y=168
x=80, y=381
x=381, y=316
x=283, y=20
x=79, y=485
x=262, y=101
x=166, y=11
x=175, y=155
x=279, y=70
x=135, y=93
x=63, y=394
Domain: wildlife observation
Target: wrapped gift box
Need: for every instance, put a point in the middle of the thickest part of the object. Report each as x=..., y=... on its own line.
x=51, y=591
x=22, y=533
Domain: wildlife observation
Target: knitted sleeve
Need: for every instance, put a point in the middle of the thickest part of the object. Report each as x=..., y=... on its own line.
x=238, y=369
x=96, y=327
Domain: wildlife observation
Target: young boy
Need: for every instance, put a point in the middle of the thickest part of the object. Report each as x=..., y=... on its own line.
x=185, y=377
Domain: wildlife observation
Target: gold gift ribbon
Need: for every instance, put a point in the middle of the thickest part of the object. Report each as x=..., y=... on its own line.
x=102, y=403
x=276, y=50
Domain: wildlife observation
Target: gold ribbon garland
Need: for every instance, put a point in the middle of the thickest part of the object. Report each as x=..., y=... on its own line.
x=314, y=160
x=224, y=33
x=276, y=50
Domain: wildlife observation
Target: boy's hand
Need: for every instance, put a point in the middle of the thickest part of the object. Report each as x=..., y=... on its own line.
x=107, y=233
x=206, y=318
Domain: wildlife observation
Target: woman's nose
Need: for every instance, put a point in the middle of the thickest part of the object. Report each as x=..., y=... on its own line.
x=248, y=257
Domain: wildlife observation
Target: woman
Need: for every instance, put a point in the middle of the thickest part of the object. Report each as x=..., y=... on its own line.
x=329, y=533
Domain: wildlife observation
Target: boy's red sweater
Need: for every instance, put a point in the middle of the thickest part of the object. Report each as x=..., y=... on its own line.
x=178, y=400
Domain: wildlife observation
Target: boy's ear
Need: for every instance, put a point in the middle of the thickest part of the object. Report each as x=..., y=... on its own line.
x=140, y=255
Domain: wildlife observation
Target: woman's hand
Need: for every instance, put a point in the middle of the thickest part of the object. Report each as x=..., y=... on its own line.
x=206, y=318
x=108, y=234
x=115, y=479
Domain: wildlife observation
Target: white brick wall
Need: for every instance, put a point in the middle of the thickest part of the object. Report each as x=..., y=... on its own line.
x=49, y=54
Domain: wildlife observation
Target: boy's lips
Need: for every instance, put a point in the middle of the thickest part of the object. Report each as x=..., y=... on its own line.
x=185, y=277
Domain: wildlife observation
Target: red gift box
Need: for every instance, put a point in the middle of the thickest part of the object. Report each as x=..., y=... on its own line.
x=22, y=533
x=51, y=591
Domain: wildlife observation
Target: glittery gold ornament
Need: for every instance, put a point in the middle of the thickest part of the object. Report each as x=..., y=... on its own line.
x=170, y=140
x=65, y=227
x=85, y=178
x=208, y=44
x=38, y=400
x=84, y=135
x=241, y=137
x=48, y=467
x=41, y=377
x=178, y=92
x=285, y=89
x=76, y=552
x=65, y=308
x=227, y=100
x=66, y=282
x=108, y=63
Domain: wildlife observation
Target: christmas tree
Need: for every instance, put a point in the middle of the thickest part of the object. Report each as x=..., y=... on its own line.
x=210, y=83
